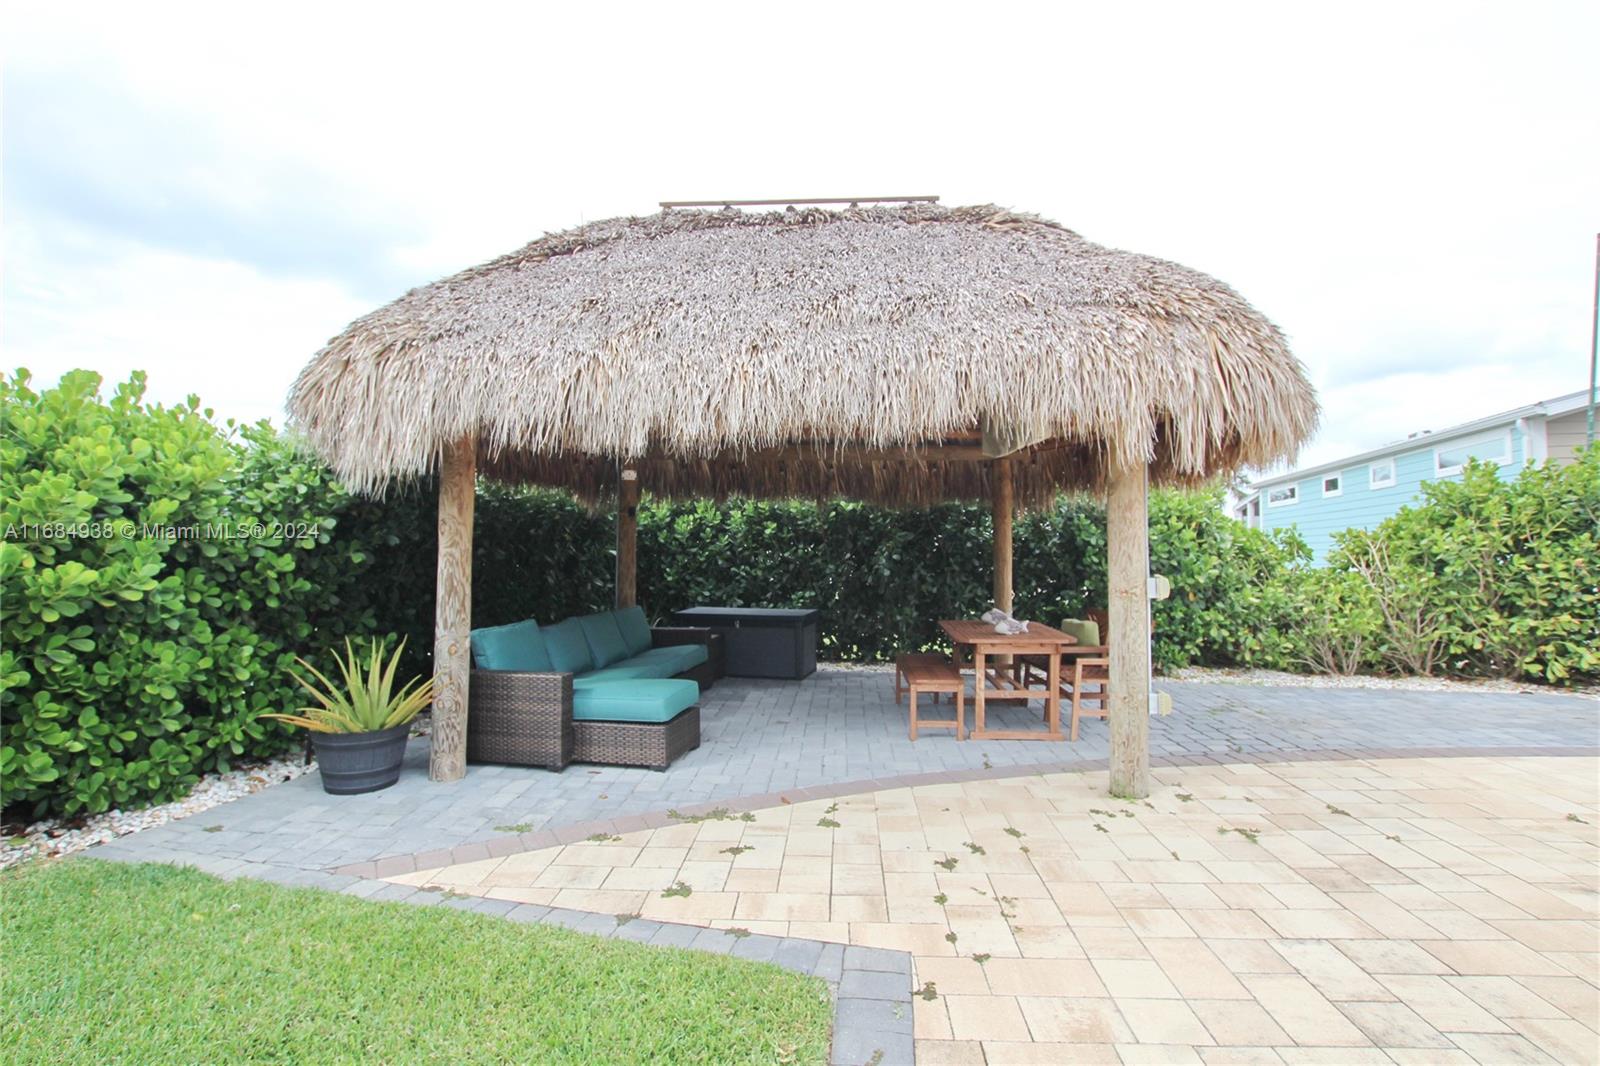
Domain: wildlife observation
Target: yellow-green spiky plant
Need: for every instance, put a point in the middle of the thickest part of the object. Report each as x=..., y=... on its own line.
x=366, y=702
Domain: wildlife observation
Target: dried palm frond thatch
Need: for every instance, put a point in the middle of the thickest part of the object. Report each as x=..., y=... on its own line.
x=799, y=353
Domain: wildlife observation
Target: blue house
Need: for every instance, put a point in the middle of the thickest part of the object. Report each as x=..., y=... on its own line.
x=1362, y=490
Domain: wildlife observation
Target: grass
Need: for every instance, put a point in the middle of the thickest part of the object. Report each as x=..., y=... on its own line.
x=116, y=963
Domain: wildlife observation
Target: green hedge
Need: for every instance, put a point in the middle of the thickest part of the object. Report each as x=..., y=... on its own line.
x=147, y=620
x=130, y=664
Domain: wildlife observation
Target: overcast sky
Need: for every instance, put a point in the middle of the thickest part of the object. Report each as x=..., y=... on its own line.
x=1410, y=191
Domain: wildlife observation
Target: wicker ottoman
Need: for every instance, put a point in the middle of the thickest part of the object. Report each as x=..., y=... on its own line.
x=635, y=723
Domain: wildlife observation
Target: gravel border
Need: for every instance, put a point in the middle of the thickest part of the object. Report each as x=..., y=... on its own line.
x=1237, y=676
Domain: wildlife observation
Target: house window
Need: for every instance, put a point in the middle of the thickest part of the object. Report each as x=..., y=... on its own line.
x=1332, y=485
x=1490, y=447
x=1283, y=496
x=1381, y=475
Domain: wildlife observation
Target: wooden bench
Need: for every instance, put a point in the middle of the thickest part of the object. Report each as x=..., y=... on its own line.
x=917, y=673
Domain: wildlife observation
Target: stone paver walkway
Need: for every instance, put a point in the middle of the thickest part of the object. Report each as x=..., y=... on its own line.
x=1369, y=910
x=838, y=727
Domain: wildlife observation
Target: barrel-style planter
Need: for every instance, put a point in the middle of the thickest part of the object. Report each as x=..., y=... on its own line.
x=352, y=763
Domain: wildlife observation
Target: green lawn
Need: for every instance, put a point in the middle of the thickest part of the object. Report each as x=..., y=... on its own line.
x=105, y=962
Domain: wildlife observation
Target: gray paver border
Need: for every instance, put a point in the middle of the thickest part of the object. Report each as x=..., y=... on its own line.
x=395, y=865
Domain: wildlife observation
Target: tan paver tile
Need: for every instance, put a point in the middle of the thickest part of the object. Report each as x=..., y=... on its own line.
x=833, y=932
x=1191, y=897
x=1500, y=1048
x=741, y=880
x=1070, y=978
x=697, y=907
x=1158, y=1054
x=1136, y=978
x=1337, y=1055
x=571, y=877
x=1163, y=1021
x=986, y=1018
x=1505, y=998
x=782, y=907
x=1561, y=1038
x=1331, y=971
x=1324, y=925
x=1549, y=934
x=1067, y=1020
x=1229, y=925
x=1577, y=997
x=857, y=880
x=1239, y=1056
x=519, y=894
x=1012, y=1053
x=670, y=857
x=1129, y=894
x=1303, y=1012
x=1394, y=1025
x=1250, y=956
x=1241, y=1022
x=1049, y=942
x=1194, y=969
x=600, y=901
x=1390, y=956
x=1430, y=1056
x=1443, y=1006
x=949, y=1053
x=953, y=976
x=1492, y=957
x=1459, y=925
x=919, y=938
x=1299, y=897
x=929, y=1019
x=1106, y=943
x=1157, y=922
x=1384, y=915
x=639, y=878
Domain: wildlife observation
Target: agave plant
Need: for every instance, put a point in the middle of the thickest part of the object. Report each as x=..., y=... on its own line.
x=366, y=702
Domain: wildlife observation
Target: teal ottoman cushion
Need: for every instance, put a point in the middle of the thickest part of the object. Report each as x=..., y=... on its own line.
x=518, y=646
x=605, y=640
x=569, y=648
x=635, y=629
x=674, y=658
x=634, y=701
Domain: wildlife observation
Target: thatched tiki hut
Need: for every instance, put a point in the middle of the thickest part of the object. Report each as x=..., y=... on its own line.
x=902, y=355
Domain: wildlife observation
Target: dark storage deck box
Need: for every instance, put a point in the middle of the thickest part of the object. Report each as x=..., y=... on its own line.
x=760, y=641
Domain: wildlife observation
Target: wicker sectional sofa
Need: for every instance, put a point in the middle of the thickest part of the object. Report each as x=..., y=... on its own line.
x=601, y=688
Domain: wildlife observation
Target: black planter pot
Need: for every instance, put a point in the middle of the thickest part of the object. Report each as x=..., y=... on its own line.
x=352, y=763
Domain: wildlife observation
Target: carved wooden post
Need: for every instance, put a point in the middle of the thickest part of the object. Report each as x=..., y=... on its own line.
x=452, y=661
x=1127, y=549
x=1001, y=504
x=627, y=538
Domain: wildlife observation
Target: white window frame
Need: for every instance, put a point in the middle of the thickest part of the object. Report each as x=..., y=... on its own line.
x=1292, y=499
x=1373, y=481
x=1337, y=491
x=1503, y=459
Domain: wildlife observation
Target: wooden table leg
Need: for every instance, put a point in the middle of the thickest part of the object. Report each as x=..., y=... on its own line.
x=1053, y=700
x=978, y=695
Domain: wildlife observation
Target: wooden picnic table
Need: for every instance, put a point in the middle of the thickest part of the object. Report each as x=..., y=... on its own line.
x=988, y=682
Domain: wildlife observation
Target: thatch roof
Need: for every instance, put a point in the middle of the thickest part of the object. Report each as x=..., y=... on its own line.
x=706, y=345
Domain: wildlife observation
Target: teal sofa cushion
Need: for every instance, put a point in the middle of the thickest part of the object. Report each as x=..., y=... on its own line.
x=568, y=647
x=605, y=640
x=634, y=701
x=620, y=672
x=674, y=658
x=635, y=629
x=518, y=646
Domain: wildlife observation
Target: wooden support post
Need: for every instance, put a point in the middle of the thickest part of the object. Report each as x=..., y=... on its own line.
x=452, y=627
x=1001, y=503
x=627, y=538
x=1127, y=548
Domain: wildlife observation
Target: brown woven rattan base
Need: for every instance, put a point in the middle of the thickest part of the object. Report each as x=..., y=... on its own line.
x=524, y=719
x=650, y=744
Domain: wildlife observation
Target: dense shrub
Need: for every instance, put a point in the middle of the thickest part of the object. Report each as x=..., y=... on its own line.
x=1488, y=577
x=157, y=573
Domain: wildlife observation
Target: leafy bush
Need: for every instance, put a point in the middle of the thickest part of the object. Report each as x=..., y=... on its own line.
x=158, y=574
x=1488, y=577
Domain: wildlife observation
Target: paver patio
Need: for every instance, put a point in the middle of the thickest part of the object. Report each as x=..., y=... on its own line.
x=837, y=727
x=1409, y=910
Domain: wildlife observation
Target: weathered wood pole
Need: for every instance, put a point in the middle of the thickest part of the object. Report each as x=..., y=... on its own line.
x=1128, y=585
x=627, y=538
x=1002, y=507
x=452, y=625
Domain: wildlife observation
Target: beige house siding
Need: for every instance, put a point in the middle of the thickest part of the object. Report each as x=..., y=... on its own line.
x=1565, y=434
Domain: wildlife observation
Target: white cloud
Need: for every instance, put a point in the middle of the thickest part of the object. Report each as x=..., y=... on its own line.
x=1408, y=190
